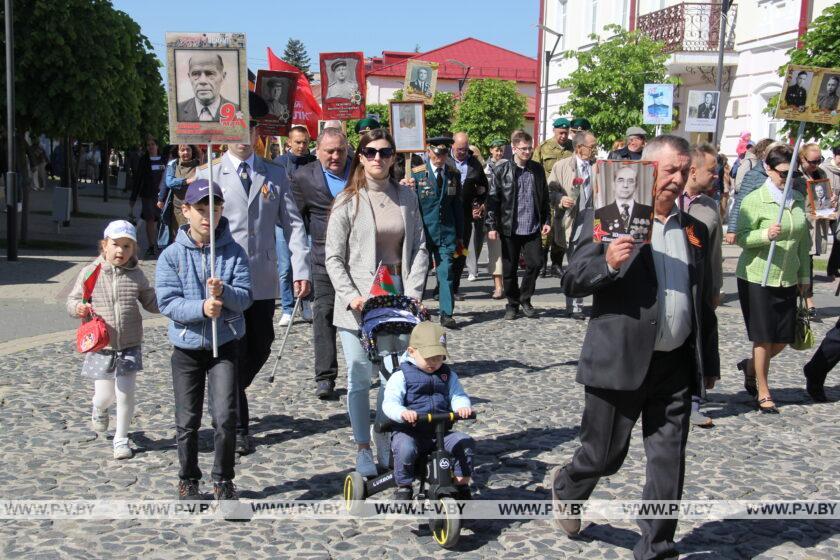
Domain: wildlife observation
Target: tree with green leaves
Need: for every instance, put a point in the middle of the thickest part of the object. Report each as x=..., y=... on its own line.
x=295, y=54
x=608, y=85
x=490, y=108
x=820, y=47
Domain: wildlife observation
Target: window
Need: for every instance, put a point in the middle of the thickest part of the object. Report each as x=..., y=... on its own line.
x=560, y=22
x=593, y=16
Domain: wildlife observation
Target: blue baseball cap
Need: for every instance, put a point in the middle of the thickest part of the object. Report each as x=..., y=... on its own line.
x=200, y=189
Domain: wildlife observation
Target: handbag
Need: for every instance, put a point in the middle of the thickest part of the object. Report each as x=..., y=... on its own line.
x=92, y=334
x=803, y=337
x=164, y=236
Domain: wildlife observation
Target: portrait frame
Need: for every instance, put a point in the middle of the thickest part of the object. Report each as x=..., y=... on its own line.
x=408, y=139
x=342, y=99
x=322, y=124
x=815, y=80
x=658, y=104
x=274, y=124
x=825, y=212
x=410, y=90
x=607, y=223
x=229, y=107
x=699, y=118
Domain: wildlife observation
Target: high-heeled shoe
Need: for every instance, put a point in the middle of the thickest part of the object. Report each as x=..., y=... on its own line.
x=767, y=409
x=749, y=380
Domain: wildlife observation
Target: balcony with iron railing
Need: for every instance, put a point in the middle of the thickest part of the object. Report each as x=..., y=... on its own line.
x=690, y=27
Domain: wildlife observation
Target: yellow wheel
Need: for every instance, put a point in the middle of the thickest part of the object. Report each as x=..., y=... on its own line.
x=354, y=492
x=446, y=528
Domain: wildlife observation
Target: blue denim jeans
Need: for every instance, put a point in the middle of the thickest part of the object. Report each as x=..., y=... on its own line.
x=284, y=267
x=407, y=448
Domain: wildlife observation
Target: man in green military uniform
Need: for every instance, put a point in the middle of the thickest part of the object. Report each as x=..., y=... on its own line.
x=579, y=124
x=555, y=148
x=438, y=187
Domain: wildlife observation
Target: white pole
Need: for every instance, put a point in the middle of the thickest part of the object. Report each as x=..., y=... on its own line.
x=213, y=326
x=794, y=163
x=658, y=129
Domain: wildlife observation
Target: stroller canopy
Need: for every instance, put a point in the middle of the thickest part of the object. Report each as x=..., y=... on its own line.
x=388, y=314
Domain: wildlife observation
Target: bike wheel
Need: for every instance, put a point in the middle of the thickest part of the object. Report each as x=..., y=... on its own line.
x=446, y=529
x=354, y=492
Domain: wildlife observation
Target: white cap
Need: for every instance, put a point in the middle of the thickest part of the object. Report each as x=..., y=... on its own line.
x=119, y=229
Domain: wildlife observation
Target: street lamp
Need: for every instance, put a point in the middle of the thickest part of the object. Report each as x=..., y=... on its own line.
x=463, y=79
x=548, y=56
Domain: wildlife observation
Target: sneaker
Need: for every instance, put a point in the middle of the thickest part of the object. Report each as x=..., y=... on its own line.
x=285, y=319
x=306, y=311
x=569, y=525
x=225, y=490
x=188, y=490
x=121, y=449
x=382, y=443
x=448, y=322
x=403, y=493
x=244, y=444
x=472, y=278
x=364, y=463
x=325, y=390
x=99, y=419
x=528, y=310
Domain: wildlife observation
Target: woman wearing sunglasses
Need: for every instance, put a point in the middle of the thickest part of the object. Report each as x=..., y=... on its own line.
x=374, y=221
x=770, y=311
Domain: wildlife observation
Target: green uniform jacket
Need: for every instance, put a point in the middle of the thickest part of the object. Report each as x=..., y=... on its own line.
x=443, y=214
x=550, y=152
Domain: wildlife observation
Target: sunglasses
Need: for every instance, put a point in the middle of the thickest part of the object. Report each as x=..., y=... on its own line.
x=815, y=161
x=782, y=174
x=370, y=153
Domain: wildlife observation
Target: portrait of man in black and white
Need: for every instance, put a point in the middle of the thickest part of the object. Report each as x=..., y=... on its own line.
x=708, y=109
x=207, y=76
x=407, y=116
x=827, y=98
x=421, y=80
x=625, y=215
x=821, y=199
x=797, y=91
x=275, y=93
x=341, y=82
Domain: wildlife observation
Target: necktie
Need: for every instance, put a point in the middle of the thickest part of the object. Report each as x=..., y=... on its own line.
x=205, y=115
x=244, y=177
x=439, y=174
x=625, y=215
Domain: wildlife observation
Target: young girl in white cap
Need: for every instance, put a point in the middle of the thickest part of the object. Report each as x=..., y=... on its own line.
x=118, y=289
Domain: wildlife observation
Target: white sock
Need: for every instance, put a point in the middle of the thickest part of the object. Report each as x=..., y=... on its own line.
x=125, y=385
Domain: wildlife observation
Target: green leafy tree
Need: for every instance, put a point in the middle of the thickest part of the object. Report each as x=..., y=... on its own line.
x=295, y=54
x=820, y=47
x=490, y=108
x=608, y=85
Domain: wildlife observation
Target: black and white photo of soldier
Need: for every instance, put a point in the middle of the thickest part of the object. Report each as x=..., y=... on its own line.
x=708, y=108
x=827, y=98
x=421, y=80
x=207, y=74
x=797, y=91
x=342, y=79
x=408, y=117
x=625, y=216
x=276, y=95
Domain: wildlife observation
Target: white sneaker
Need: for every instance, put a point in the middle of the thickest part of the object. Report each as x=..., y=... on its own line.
x=285, y=319
x=472, y=278
x=306, y=311
x=99, y=420
x=364, y=463
x=121, y=449
x=382, y=442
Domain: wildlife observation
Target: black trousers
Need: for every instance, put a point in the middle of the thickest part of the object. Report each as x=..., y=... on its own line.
x=254, y=350
x=531, y=247
x=664, y=403
x=323, y=330
x=189, y=370
x=825, y=358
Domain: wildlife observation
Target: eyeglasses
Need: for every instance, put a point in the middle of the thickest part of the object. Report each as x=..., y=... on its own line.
x=782, y=174
x=815, y=161
x=370, y=153
x=524, y=148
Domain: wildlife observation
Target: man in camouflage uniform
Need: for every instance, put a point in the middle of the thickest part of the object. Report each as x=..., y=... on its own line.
x=555, y=148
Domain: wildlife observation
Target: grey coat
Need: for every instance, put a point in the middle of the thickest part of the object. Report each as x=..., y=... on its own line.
x=252, y=221
x=351, y=257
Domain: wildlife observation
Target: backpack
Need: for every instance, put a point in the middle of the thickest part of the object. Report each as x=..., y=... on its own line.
x=734, y=171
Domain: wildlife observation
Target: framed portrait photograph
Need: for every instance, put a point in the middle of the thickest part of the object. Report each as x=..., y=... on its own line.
x=828, y=96
x=343, y=85
x=408, y=125
x=277, y=89
x=420, y=81
x=819, y=198
x=207, y=88
x=810, y=93
x=659, y=104
x=333, y=124
x=702, y=111
x=623, y=200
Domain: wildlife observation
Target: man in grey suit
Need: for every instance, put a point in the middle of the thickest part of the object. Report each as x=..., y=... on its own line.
x=258, y=195
x=648, y=347
x=207, y=74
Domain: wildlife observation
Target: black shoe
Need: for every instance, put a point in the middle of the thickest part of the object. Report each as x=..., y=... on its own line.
x=578, y=315
x=749, y=380
x=325, y=390
x=403, y=493
x=188, y=490
x=556, y=271
x=462, y=492
x=816, y=392
x=528, y=310
x=770, y=407
x=510, y=312
x=544, y=272
x=448, y=322
x=459, y=297
x=812, y=314
x=225, y=490
x=244, y=444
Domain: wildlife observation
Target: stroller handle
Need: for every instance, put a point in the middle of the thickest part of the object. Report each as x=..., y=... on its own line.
x=388, y=424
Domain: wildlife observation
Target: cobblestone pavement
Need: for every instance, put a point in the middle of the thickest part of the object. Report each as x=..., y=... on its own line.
x=521, y=377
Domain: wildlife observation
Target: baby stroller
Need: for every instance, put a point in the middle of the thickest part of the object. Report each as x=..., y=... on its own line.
x=386, y=322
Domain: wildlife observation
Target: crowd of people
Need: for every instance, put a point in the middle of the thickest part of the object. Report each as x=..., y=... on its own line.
x=320, y=227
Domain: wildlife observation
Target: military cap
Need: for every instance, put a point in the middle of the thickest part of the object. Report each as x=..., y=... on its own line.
x=368, y=123
x=636, y=131
x=337, y=63
x=581, y=123
x=561, y=123
x=497, y=142
x=271, y=82
x=439, y=144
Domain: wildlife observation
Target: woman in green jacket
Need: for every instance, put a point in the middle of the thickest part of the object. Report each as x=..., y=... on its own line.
x=770, y=311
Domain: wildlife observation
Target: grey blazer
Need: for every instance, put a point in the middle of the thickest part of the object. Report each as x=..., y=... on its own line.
x=252, y=220
x=351, y=251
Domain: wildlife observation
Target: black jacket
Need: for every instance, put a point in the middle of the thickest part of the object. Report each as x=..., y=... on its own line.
x=625, y=153
x=502, y=197
x=474, y=188
x=622, y=332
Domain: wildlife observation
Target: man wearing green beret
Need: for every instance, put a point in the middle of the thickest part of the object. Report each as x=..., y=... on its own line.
x=366, y=125
x=555, y=148
x=579, y=124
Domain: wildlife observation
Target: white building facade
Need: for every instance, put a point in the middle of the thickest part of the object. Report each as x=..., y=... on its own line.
x=758, y=35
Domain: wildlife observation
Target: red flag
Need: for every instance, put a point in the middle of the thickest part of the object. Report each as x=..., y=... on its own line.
x=383, y=284
x=89, y=283
x=307, y=110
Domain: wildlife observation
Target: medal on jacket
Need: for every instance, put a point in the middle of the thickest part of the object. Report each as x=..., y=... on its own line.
x=267, y=191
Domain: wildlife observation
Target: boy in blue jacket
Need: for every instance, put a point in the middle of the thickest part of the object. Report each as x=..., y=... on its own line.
x=424, y=385
x=191, y=298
